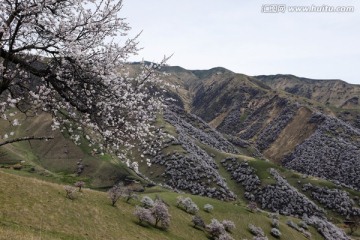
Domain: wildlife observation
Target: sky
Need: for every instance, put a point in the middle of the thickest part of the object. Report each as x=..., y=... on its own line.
x=240, y=36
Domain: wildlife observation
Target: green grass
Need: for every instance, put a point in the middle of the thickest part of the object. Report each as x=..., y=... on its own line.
x=56, y=160
x=174, y=148
x=262, y=171
x=167, y=127
x=243, y=117
x=34, y=209
x=218, y=156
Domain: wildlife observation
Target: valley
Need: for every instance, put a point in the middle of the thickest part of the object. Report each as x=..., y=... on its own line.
x=231, y=140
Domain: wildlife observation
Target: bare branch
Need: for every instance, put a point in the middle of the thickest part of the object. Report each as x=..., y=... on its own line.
x=21, y=139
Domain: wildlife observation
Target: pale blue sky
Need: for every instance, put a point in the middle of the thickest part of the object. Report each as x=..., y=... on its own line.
x=235, y=34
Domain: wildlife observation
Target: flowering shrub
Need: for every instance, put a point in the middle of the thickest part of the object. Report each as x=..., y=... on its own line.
x=228, y=225
x=198, y=221
x=275, y=232
x=70, y=192
x=147, y=202
x=187, y=204
x=144, y=215
x=215, y=228
x=208, y=208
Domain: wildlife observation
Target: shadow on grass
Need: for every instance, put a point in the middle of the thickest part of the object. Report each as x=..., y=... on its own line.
x=149, y=226
x=143, y=224
x=197, y=227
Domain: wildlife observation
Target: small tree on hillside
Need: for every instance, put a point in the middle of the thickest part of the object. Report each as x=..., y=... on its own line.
x=187, y=204
x=179, y=201
x=257, y=231
x=275, y=232
x=128, y=192
x=215, y=228
x=198, y=221
x=80, y=185
x=144, y=215
x=119, y=191
x=225, y=236
x=114, y=194
x=208, y=208
x=161, y=214
x=147, y=202
x=228, y=225
x=275, y=223
x=252, y=206
x=70, y=192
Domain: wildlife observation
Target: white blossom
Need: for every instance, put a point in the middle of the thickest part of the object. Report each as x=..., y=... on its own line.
x=74, y=54
x=135, y=166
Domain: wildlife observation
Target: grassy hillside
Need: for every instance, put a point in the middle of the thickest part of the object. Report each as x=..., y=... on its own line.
x=57, y=160
x=35, y=209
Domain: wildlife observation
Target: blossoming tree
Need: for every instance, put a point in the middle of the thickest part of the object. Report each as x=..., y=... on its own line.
x=67, y=58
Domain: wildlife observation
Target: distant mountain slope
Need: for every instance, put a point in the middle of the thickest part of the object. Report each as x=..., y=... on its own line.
x=329, y=92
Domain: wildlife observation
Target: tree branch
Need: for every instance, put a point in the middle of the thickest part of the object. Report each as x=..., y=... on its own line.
x=24, y=64
x=9, y=20
x=25, y=139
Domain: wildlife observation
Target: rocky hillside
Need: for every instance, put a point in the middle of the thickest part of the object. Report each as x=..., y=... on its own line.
x=300, y=131
x=341, y=97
